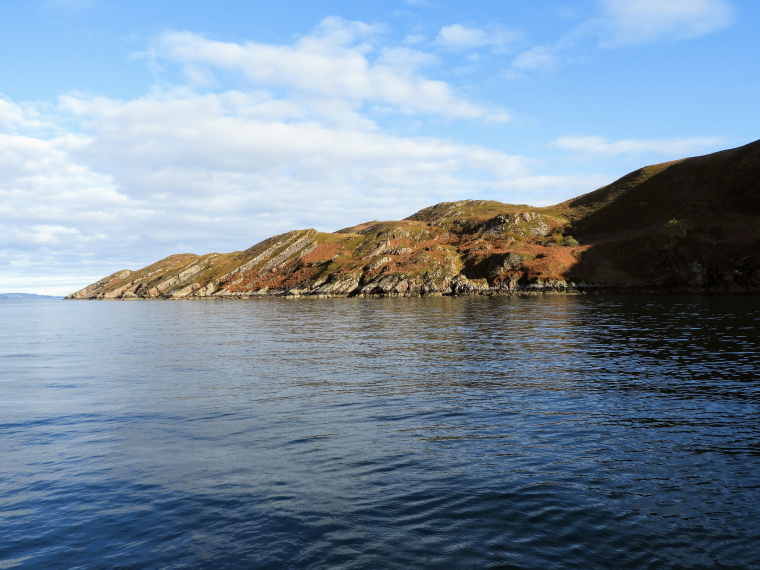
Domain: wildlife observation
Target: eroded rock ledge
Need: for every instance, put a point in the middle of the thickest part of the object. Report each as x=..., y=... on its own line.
x=460, y=248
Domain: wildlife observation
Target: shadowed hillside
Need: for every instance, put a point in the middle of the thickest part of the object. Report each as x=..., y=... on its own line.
x=692, y=224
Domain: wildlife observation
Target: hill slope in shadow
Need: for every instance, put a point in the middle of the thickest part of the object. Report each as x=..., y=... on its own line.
x=689, y=222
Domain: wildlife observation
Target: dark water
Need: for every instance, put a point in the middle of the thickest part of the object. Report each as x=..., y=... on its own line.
x=541, y=433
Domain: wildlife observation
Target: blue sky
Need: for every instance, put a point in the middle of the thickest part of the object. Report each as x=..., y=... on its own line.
x=133, y=130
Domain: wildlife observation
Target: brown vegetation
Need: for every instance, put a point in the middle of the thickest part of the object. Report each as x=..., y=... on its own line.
x=689, y=224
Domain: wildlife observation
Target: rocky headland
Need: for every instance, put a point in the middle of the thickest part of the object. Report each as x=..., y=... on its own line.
x=686, y=225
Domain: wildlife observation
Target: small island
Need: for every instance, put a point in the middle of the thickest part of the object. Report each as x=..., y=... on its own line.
x=686, y=225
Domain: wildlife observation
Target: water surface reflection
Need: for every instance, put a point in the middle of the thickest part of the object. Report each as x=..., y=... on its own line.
x=559, y=432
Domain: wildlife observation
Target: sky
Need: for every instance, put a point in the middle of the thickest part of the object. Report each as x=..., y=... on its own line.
x=133, y=130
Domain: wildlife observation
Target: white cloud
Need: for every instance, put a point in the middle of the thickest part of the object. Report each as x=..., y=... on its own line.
x=537, y=58
x=404, y=58
x=550, y=56
x=331, y=63
x=10, y=114
x=56, y=214
x=459, y=37
x=626, y=23
x=630, y=22
x=16, y=118
x=675, y=148
x=413, y=39
x=148, y=141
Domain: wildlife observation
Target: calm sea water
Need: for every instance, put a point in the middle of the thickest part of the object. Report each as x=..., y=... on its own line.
x=538, y=433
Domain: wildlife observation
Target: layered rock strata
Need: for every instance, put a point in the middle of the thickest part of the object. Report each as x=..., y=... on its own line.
x=692, y=224
x=413, y=257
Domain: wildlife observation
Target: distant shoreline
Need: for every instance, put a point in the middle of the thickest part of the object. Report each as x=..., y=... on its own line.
x=26, y=296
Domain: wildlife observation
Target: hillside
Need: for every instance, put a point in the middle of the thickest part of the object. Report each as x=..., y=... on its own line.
x=692, y=224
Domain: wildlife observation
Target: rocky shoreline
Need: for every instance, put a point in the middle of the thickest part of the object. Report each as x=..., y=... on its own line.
x=683, y=226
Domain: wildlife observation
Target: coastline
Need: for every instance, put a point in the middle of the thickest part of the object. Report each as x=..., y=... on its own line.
x=569, y=291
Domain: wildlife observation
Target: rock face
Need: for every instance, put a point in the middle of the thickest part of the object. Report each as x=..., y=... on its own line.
x=442, y=256
x=692, y=224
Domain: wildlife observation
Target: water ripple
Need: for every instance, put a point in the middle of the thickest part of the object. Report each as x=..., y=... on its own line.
x=608, y=432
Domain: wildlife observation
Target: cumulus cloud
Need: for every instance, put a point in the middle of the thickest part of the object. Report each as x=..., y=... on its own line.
x=460, y=37
x=406, y=59
x=55, y=213
x=676, y=147
x=630, y=22
x=15, y=118
x=330, y=63
x=537, y=58
x=202, y=143
x=10, y=114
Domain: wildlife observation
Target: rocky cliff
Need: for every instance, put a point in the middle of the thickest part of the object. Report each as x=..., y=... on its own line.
x=692, y=224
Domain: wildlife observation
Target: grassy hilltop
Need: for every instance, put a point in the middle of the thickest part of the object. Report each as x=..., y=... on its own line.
x=689, y=224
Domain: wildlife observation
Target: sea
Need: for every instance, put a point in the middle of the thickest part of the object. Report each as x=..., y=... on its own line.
x=526, y=433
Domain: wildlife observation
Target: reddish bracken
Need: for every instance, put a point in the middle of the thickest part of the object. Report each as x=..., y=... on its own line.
x=683, y=225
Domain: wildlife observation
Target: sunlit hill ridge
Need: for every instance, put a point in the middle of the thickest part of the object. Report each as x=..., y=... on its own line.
x=691, y=224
